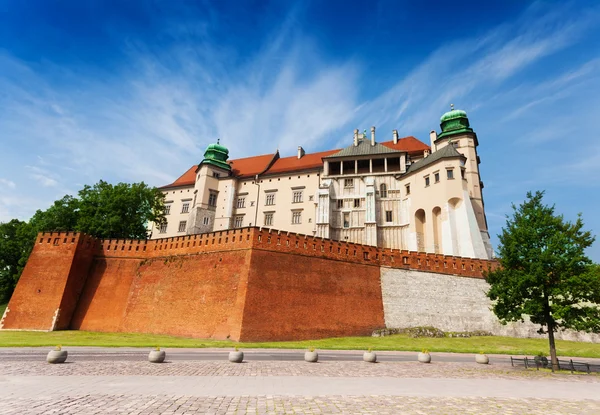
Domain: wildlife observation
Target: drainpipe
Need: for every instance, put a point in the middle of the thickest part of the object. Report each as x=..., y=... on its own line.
x=257, y=199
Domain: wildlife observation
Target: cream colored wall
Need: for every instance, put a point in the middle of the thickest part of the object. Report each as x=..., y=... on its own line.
x=175, y=198
x=283, y=187
x=459, y=218
x=457, y=229
x=465, y=144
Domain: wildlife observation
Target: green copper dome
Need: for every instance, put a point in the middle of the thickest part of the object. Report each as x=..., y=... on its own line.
x=454, y=122
x=217, y=155
x=451, y=115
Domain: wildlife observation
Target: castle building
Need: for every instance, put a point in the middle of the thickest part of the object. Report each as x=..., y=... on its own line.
x=397, y=194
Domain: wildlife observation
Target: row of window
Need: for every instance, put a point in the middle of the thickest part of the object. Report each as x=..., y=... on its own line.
x=449, y=176
x=185, y=208
x=389, y=218
x=182, y=227
x=297, y=197
x=268, y=219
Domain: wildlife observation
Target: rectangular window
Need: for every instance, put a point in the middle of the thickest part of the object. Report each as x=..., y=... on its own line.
x=182, y=226
x=340, y=204
x=167, y=209
x=270, y=199
x=450, y=173
x=241, y=202
x=407, y=189
x=163, y=228
x=383, y=190
x=426, y=181
x=298, y=196
x=348, y=182
x=296, y=217
x=215, y=175
x=436, y=177
x=462, y=173
x=388, y=216
x=239, y=221
x=268, y=219
x=206, y=221
x=212, y=199
x=346, y=220
x=185, y=208
x=356, y=203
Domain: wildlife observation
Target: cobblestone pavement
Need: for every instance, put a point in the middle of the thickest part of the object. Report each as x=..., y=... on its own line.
x=324, y=388
x=275, y=368
x=268, y=405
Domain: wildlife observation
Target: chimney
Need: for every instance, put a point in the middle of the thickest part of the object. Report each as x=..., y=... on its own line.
x=432, y=138
x=300, y=152
x=355, y=137
x=372, y=136
x=395, y=132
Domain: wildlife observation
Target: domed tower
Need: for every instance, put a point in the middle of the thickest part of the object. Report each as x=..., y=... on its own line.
x=454, y=122
x=457, y=131
x=216, y=155
x=209, y=188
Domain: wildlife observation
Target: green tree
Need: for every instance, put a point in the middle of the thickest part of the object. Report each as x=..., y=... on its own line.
x=63, y=215
x=16, y=242
x=119, y=211
x=102, y=210
x=544, y=272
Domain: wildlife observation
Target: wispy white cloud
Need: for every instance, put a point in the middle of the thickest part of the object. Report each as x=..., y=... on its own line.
x=7, y=183
x=152, y=118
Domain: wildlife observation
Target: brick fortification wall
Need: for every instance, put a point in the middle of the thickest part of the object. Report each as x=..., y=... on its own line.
x=243, y=284
x=51, y=283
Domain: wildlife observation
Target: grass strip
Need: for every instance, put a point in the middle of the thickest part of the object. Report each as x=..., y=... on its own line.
x=486, y=344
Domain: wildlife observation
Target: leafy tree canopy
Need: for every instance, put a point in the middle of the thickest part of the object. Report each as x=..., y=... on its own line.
x=16, y=242
x=102, y=210
x=545, y=273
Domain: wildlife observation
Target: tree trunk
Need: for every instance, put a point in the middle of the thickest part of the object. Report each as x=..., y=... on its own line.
x=550, y=325
x=553, y=357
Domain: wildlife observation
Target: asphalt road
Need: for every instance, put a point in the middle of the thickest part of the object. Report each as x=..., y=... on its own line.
x=97, y=354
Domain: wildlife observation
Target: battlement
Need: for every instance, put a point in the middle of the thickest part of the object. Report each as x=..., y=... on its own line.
x=283, y=241
x=244, y=284
x=273, y=240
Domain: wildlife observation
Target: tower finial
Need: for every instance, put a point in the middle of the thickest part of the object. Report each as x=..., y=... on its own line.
x=451, y=107
x=218, y=141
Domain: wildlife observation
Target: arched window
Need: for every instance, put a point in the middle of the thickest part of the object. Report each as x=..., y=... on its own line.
x=383, y=190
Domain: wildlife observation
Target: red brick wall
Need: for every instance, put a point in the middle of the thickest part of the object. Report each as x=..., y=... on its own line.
x=197, y=295
x=51, y=281
x=248, y=284
x=301, y=297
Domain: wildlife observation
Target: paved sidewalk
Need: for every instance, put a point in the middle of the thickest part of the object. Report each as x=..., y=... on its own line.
x=58, y=386
x=290, y=388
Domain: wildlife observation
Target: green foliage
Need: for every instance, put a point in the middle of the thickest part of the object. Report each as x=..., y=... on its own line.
x=16, y=242
x=102, y=210
x=119, y=211
x=61, y=216
x=544, y=271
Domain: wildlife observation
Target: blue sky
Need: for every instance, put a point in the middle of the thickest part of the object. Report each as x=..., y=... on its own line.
x=135, y=90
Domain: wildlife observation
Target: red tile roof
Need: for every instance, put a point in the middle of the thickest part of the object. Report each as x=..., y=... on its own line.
x=409, y=144
x=308, y=161
x=251, y=166
x=186, y=179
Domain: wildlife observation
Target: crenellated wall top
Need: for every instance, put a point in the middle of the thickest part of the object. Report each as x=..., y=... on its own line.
x=272, y=240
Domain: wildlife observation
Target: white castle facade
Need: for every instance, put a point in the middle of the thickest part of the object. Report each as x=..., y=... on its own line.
x=398, y=194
